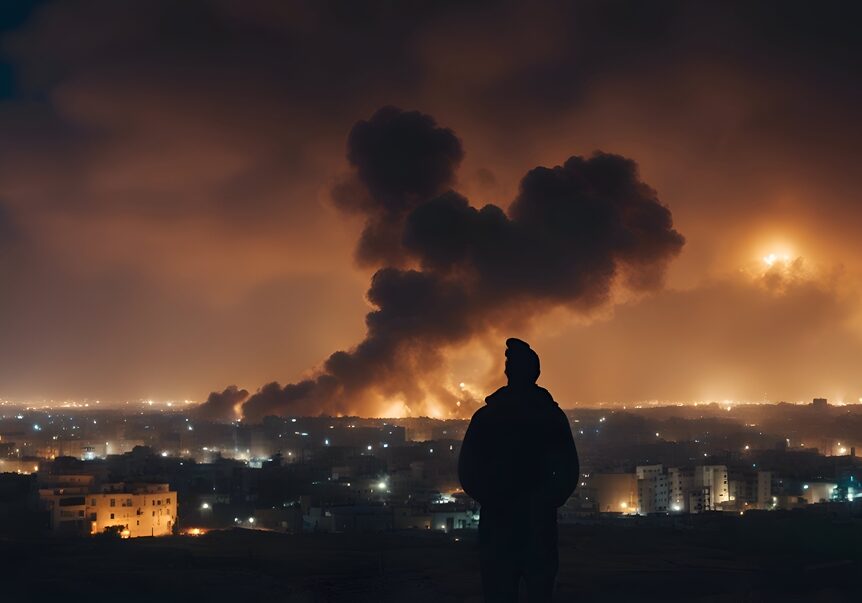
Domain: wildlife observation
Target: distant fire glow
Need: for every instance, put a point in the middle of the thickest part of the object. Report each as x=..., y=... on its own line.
x=773, y=258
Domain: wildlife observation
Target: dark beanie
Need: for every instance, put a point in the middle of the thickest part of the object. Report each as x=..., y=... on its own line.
x=522, y=363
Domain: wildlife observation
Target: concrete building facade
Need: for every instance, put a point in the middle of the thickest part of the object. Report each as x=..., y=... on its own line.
x=132, y=509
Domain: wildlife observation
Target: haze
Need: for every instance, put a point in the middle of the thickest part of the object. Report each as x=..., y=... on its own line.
x=168, y=225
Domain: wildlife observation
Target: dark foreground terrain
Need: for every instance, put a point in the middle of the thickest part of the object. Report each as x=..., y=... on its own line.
x=774, y=557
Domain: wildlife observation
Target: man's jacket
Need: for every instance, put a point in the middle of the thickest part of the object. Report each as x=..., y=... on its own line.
x=519, y=461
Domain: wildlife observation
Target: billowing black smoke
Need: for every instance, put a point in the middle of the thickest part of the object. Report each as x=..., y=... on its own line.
x=449, y=271
x=222, y=406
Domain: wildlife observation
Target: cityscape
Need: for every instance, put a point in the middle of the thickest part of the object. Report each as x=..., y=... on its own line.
x=84, y=472
x=157, y=473
x=374, y=301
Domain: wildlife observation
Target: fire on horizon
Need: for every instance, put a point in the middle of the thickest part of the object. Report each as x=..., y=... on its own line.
x=665, y=207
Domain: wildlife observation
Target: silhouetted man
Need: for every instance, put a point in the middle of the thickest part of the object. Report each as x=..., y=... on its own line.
x=519, y=462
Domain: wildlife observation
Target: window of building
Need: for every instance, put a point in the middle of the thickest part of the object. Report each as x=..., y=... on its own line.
x=167, y=501
x=93, y=502
x=112, y=515
x=113, y=502
x=154, y=513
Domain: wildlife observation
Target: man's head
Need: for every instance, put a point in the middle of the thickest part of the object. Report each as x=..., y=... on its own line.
x=522, y=363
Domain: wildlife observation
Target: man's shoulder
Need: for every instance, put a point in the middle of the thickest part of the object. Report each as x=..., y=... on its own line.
x=480, y=414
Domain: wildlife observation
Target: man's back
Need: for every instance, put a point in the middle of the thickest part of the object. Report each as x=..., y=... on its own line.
x=519, y=461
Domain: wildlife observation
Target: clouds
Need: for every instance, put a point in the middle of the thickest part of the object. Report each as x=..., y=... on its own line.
x=784, y=335
x=187, y=151
x=571, y=231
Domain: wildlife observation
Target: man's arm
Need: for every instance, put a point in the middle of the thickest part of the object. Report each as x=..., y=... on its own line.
x=470, y=470
x=564, y=464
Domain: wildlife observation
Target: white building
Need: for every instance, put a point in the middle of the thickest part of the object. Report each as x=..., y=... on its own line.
x=653, y=489
x=702, y=488
x=712, y=480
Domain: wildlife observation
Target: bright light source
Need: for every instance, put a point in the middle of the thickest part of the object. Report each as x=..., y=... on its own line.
x=251, y=519
x=205, y=506
x=164, y=453
x=381, y=485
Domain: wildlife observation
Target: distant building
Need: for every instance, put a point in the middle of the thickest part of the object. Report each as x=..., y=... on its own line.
x=765, y=498
x=820, y=403
x=701, y=488
x=133, y=509
x=453, y=518
x=680, y=482
x=817, y=492
x=653, y=489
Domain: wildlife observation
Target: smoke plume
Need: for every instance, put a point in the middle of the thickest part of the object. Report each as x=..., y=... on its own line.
x=449, y=271
x=222, y=406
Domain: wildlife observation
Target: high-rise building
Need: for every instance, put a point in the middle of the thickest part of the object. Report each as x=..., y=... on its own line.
x=653, y=489
x=701, y=488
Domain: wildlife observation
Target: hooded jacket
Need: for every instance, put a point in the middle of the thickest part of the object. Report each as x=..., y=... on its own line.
x=518, y=453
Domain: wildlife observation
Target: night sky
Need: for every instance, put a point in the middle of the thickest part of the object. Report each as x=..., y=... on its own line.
x=662, y=198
